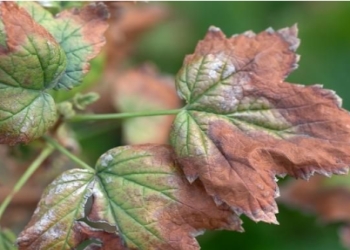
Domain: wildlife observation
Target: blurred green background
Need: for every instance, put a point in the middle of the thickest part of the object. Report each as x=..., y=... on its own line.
x=325, y=59
x=324, y=30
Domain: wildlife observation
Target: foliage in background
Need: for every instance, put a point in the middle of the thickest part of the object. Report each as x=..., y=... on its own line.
x=108, y=143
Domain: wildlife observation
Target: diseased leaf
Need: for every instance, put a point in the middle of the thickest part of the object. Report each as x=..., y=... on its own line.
x=144, y=89
x=54, y=225
x=7, y=240
x=243, y=124
x=139, y=190
x=108, y=240
x=79, y=33
x=30, y=62
x=144, y=194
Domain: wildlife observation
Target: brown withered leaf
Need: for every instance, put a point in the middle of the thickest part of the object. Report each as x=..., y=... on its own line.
x=108, y=240
x=127, y=23
x=144, y=89
x=331, y=203
x=243, y=124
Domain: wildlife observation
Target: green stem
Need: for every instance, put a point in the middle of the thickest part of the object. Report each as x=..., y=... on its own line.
x=64, y=151
x=79, y=118
x=24, y=178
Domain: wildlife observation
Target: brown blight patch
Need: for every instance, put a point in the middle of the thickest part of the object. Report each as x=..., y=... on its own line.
x=92, y=22
x=145, y=195
x=19, y=25
x=243, y=124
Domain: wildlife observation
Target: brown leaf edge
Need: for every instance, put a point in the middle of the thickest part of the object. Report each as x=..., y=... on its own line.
x=173, y=217
x=309, y=134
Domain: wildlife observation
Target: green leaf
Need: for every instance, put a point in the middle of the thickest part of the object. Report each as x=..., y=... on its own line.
x=243, y=124
x=7, y=240
x=79, y=33
x=143, y=193
x=31, y=62
x=54, y=223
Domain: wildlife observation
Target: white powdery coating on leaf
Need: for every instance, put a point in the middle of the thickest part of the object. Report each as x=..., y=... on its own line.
x=191, y=179
x=217, y=200
x=106, y=159
x=270, y=30
x=215, y=67
x=196, y=233
x=108, y=179
x=214, y=29
x=25, y=127
x=228, y=70
x=249, y=34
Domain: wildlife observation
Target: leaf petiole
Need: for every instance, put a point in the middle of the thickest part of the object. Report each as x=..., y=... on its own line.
x=79, y=118
x=24, y=178
x=64, y=151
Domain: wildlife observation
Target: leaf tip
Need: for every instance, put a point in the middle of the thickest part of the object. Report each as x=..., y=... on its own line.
x=249, y=34
x=290, y=35
x=213, y=28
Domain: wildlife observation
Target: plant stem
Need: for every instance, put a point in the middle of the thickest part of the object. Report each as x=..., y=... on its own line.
x=24, y=178
x=64, y=151
x=79, y=118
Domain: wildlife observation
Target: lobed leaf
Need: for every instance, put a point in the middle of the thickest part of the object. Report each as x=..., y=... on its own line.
x=31, y=62
x=243, y=124
x=54, y=223
x=79, y=33
x=140, y=191
x=7, y=240
x=143, y=193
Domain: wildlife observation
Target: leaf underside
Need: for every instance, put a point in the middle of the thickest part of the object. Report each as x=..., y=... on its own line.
x=243, y=124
